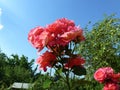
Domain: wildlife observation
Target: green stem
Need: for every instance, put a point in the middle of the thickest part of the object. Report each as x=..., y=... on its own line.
x=67, y=80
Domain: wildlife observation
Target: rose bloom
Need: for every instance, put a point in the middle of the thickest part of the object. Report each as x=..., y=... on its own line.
x=63, y=31
x=75, y=34
x=47, y=59
x=115, y=78
x=56, y=29
x=109, y=71
x=103, y=73
x=78, y=61
x=60, y=32
x=111, y=86
x=38, y=37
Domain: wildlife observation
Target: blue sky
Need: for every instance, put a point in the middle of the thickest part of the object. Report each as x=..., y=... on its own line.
x=19, y=16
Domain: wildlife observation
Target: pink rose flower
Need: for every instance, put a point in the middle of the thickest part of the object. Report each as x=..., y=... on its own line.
x=60, y=32
x=63, y=31
x=47, y=59
x=109, y=71
x=38, y=37
x=77, y=61
x=111, y=86
x=100, y=75
x=115, y=78
x=103, y=73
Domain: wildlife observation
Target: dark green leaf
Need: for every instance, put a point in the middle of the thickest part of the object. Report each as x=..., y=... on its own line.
x=79, y=70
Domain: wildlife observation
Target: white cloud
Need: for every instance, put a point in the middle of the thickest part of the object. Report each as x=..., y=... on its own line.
x=1, y=26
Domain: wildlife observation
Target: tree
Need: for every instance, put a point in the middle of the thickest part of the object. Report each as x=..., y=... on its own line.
x=15, y=69
x=102, y=46
x=3, y=59
x=20, y=67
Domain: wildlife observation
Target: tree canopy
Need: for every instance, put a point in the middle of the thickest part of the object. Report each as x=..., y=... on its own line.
x=102, y=45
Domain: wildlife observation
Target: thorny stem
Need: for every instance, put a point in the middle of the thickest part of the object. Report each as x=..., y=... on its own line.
x=59, y=74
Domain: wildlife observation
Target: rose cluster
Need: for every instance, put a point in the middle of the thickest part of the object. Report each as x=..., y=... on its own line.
x=59, y=38
x=107, y=76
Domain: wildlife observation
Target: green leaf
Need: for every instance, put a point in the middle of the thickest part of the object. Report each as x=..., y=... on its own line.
x=79, y=70
x=60, y=71
x=47, y=84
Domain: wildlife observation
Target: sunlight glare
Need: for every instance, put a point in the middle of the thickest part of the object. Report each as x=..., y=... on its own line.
x=1, y=26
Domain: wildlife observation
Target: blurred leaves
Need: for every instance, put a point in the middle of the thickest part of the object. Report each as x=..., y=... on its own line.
x=47, y=84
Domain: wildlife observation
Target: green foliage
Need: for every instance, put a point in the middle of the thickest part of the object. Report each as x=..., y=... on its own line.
x=47, y=84
x=15, y=69
x=102, y=46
